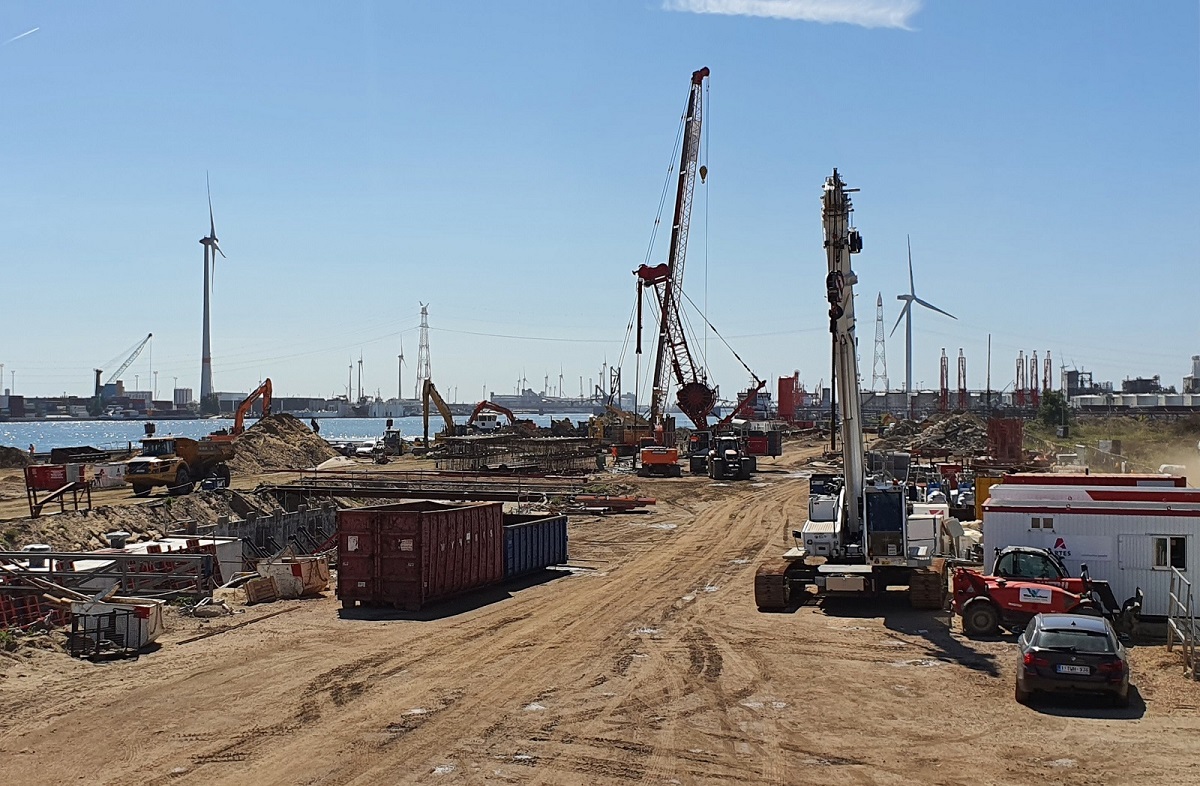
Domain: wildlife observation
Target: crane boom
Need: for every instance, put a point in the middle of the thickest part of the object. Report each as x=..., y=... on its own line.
x=129, y=360
x=842, y=240
x=673, y=356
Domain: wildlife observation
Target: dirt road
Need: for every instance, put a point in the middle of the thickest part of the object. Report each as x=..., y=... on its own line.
x=650, y=666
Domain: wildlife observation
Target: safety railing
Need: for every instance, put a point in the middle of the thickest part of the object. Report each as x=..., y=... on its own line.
x=1182, y=629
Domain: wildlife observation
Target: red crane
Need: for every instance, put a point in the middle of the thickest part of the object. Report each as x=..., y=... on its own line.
x=673, y=356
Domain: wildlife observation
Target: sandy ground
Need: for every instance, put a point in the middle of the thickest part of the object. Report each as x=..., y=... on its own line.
x=648, y=664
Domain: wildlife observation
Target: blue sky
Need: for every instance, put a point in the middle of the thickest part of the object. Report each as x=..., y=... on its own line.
x=503, y=162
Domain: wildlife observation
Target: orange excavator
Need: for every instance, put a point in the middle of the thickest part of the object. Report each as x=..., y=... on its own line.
x=263, y=391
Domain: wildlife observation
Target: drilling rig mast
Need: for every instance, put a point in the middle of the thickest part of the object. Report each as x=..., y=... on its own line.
x=672, y=355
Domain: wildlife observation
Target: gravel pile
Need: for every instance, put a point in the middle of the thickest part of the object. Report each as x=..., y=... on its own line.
x=279, y=442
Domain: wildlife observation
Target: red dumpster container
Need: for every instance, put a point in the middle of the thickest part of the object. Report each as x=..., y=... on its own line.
x=46, y=477
x=409, y=554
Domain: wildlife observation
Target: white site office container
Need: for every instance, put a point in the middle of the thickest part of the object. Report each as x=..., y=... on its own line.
x=1128, y=535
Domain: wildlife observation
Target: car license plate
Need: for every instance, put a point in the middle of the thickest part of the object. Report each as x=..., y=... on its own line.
x=1066, y=668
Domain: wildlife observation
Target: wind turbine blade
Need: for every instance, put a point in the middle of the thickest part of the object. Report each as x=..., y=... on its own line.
x=212, y=224
x=218, y=250
x=935, y=308
x=912, y=288
x=903, y=311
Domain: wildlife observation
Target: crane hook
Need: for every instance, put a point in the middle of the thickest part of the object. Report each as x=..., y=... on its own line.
x=703, y=173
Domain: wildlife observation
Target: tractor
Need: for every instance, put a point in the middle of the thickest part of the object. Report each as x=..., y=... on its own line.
x=1027, y=581
x=727, y=460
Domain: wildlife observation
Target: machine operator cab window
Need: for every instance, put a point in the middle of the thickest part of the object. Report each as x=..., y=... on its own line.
x=1026, y=565
x=158, y=447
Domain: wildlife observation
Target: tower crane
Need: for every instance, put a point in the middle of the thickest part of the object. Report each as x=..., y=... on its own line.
x=672, y=355
x=137, y=350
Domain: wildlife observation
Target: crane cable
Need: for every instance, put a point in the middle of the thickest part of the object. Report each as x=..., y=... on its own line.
x=723, y=341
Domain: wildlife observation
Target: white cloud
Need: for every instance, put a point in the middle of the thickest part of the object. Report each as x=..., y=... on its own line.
x=867, y=13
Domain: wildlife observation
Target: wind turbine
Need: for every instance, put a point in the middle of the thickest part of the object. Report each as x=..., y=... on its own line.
x=211, y=249
x=906, y=315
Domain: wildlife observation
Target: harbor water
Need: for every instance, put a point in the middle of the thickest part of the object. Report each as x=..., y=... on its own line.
x=118, y=434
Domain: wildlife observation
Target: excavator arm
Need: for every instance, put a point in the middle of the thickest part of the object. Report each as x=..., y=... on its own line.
x=488, y=406
x=430, y=392
x=263, y=391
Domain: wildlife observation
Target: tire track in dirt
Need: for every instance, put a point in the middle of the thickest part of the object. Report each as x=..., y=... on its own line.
x=567, y=625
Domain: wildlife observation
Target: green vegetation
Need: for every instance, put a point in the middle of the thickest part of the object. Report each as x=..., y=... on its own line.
x=1146, y=443
x=1054, y=410
x=9, y=640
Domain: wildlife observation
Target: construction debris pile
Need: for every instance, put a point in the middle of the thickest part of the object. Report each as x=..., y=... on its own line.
x=13, y=458
x=86, y=529
x=279, y=442
x=959, y=434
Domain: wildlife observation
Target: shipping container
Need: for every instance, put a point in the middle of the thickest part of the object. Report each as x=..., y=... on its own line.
x=409, y=554
x=533, y=543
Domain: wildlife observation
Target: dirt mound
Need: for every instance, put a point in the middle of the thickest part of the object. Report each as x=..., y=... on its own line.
x=13, y=457
x=279, y=442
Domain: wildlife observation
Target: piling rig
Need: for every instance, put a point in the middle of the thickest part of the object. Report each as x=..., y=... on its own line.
x=672, y=354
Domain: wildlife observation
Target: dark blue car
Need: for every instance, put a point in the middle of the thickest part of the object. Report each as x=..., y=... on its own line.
x=1072, y=653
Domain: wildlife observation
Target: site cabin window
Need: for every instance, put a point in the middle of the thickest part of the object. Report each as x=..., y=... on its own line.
x=1045, y=522
x=1170, y=551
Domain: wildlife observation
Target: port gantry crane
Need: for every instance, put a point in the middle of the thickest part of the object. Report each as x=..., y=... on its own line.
x=673, y=356
x=856, y=540
x=137, y=350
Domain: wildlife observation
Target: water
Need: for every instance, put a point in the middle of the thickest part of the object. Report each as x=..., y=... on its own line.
x=117, y=434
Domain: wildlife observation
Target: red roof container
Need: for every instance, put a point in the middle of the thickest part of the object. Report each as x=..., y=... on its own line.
x=1098, y=479
x=409, y=554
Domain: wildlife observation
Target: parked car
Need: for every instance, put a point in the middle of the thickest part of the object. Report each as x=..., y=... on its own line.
x=367, y=448
x=1072, y=653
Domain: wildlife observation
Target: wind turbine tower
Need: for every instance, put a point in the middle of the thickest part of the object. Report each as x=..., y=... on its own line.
x=211, y=249
x=879, y=368
x=424, y=370
x=906, y=315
